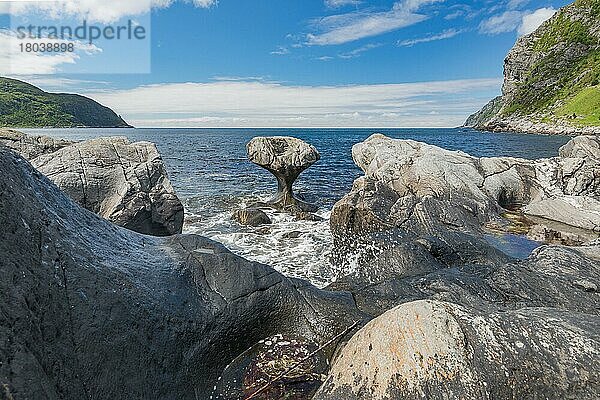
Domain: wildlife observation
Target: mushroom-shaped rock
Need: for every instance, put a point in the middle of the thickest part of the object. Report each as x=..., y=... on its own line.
x=286, y=158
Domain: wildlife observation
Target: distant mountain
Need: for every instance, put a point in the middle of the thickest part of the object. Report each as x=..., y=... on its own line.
x=551, y=78
x=25, y=106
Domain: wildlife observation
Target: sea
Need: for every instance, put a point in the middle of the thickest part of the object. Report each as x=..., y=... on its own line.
x=213, y=177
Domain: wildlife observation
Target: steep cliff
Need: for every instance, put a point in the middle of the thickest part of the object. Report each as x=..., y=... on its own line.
x=551, y=77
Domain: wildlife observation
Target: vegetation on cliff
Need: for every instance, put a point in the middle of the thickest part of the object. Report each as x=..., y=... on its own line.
x=552, y=76
x=25, y=106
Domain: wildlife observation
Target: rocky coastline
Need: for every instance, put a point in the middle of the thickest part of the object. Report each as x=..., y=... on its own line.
x=551, y=81
x=529, y=125
x=426, y=303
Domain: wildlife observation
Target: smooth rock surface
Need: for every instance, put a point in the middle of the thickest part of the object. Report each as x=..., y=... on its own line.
x=439, y=350
x=578, y=211
x=581, y=147
x=470, y=321
x=286, y=158
x=92, y=310
x=124, y=182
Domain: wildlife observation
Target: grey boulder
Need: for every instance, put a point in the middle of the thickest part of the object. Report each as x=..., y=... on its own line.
x=422, y=189
x=440, y=350
x=286, y=158
x=251, y=217
x=124, y=182
x=470, y=321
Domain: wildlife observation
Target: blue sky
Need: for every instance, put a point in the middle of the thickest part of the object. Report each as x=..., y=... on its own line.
x=371, y=63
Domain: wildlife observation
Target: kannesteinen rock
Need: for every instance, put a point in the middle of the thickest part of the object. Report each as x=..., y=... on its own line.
x=470, y=322
x=286, y=158
x=551, y=78
x=124, y=182
x=92, y=310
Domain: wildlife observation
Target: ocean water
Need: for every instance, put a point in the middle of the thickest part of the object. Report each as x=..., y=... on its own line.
x=213, y=177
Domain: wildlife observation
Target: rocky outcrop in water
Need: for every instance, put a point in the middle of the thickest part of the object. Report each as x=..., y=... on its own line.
x=126, y=183
x=466, y=320
x=91, y=310
x=286, y=158
x=551, y=78
x=251, y=217
x=420, y=189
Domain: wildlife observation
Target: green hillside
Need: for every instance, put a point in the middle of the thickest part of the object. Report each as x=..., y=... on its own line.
x=570, y=53
x=552, y=76
x=25, y=106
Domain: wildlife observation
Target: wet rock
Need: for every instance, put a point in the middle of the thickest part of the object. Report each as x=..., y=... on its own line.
x=264, y=230
x=252, y=217
x=292, y=235
x=441, y=350
x=84, y=303
x=124, y=182
x=586, y=285
x=406, y=272
x=414, y=234
x=416, y=227
x=306, y=216
x=286, y=158
x=553, y=233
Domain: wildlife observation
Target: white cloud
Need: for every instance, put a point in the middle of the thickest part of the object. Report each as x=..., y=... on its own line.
x=524, y=22
x=344, y=28
x=96, y=10
x=281, y=51
x=514, y=4
x=205, y=3
x=341, y=3
x=454, y=15
x=359, y=51
x=262, y=104
x=447, y=34
x=13, y=61
x=505, y=22
x=532, y=21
